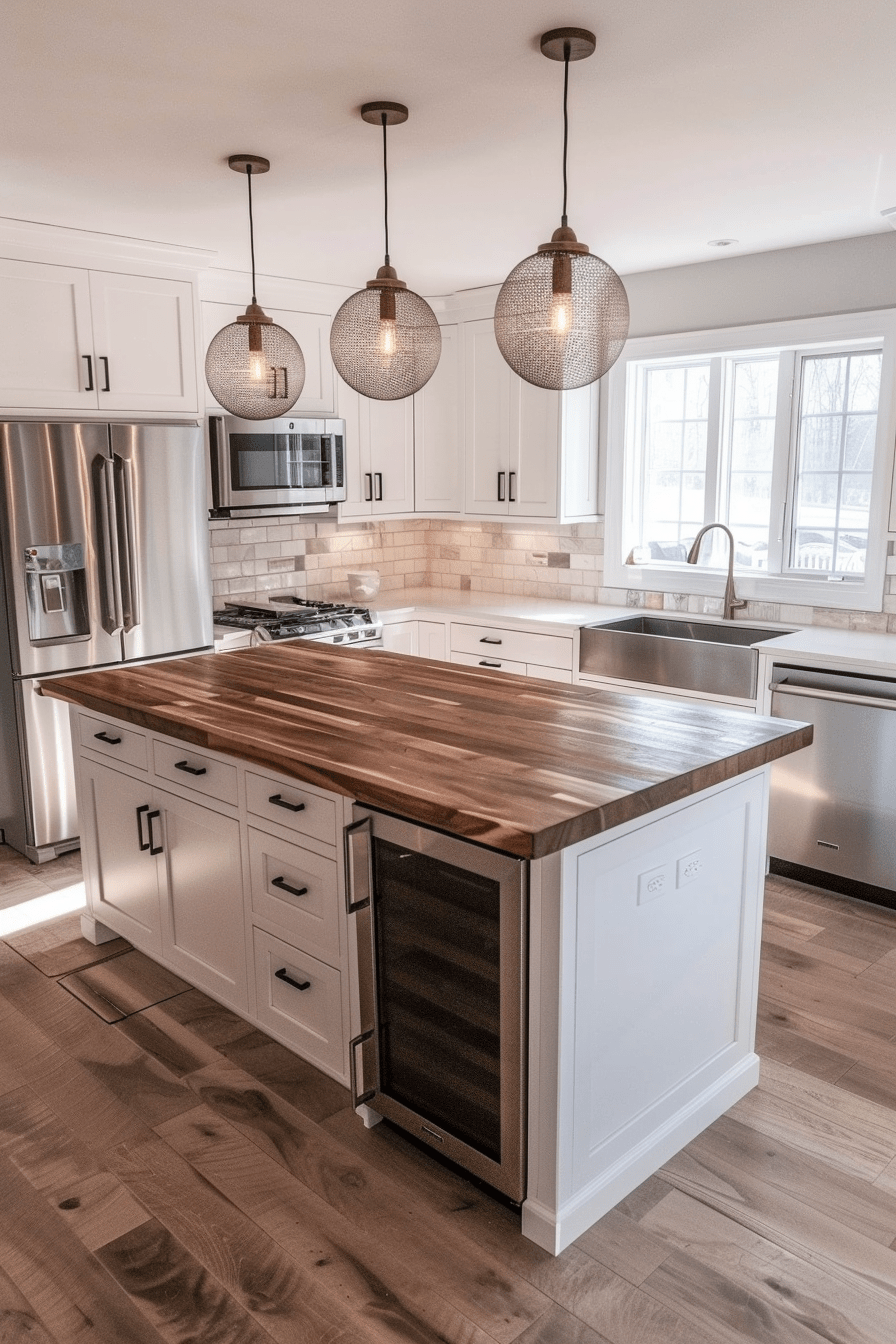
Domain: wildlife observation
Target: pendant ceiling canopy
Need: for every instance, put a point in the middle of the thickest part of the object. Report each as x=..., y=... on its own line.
x=385, y=340
x=254, y=368
x=561, y=317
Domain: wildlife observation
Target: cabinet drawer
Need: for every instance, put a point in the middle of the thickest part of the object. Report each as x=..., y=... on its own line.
x=183, y=764
x=491, y=661
x=292, y=806
x=549, y=673
x=280, y=871
x=113, y=740
x=310, y=1019
x=521, y=646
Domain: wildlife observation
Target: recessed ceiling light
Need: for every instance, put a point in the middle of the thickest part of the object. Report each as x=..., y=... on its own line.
x=721, y=242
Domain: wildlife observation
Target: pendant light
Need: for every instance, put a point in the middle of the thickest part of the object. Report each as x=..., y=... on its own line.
x=561, y=317
x=254, y=368
x=385, y=340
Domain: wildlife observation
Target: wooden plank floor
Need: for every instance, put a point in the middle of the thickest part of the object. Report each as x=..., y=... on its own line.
x=177, y=1176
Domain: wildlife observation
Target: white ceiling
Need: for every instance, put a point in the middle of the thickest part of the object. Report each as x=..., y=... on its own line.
x=769, y=122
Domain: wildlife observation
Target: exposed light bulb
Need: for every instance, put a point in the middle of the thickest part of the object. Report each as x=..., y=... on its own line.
x=561, y=314
x=388, y=337
x=258, y=366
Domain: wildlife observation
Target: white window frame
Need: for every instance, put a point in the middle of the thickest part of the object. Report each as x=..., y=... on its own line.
x=808, y=336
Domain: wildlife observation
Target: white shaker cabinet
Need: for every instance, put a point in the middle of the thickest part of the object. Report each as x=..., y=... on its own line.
x=79, y=340
x=311, y=330
x=530, y=452
x=379, y=455
x=438, y=443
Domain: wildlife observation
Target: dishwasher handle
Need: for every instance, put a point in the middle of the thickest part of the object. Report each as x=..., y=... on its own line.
x=840, y=697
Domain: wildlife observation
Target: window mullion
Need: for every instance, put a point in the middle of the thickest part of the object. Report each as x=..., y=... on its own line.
x=712, y=503
x=783, y=463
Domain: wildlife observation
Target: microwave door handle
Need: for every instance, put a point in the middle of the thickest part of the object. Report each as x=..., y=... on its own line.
x=124, y=509
x=359, y=902
x=107, y=548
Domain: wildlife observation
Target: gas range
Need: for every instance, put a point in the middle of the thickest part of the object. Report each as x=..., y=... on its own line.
x=284, y=616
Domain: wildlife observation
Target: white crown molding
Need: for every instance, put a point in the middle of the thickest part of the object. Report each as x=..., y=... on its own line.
x=30, y=240
x=217, y=285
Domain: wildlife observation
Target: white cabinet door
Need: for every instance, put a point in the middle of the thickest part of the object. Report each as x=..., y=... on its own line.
x=124, y=878
x=311, y=330
x=401, y=637
x=144, y=343
x=487, y=427
x=437, y=433
x=535, y=439
x=432, y=641
x=46, y=348
x=203, y=934
x=379, y=455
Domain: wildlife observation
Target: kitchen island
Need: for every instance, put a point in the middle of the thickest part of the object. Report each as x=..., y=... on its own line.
x=643, y=825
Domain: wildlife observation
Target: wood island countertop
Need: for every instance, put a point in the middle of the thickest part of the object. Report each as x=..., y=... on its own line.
x=523, y=765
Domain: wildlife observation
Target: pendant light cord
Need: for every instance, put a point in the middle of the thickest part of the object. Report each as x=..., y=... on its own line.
x=251, y=229
x=385, y=190
x=566, y=50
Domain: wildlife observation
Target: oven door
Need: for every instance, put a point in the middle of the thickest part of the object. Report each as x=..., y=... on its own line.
x=441, y=942
x=282, y=463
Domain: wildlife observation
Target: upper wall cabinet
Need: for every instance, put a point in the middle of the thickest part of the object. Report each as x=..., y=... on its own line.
x=438, y=441
x=74, y=339
x=379, y=455
x=530, y=453
x=311, y=330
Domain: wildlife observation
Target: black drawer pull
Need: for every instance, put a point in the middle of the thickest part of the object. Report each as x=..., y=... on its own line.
x=285, y=976
x=279, y=801
x=284, y=886
x=484, y=662
x=104, y=737
x=190, y=769
x=488, y=639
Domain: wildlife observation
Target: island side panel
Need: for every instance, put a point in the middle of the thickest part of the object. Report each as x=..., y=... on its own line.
x=648, y=946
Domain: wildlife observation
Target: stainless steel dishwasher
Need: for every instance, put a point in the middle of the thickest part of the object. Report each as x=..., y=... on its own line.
x=832, y=813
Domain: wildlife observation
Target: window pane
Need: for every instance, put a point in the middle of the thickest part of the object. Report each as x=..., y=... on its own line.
x=676, y=407
x=835, y=454
x=751, y=438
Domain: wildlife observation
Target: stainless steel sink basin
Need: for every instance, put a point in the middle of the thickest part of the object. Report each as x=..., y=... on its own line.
x=708, y=656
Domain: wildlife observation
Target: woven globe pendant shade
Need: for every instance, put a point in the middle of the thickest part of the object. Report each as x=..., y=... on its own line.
x=565, y=337
x=254, y=368
x=259, y=383
x=385, y=343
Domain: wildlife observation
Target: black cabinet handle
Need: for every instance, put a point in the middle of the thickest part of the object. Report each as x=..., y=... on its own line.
x=104, y=737
x=89, y=387
x=144, y=844
x=284, y=886
x=487, y=639
x=104, y=360
x=285, y=976
x=378, y=482
x=484, y=662
x=501, y=476
x=368, y=487
x=280, y=801
x=153, y=847
x=511, y=483
x=190, y=769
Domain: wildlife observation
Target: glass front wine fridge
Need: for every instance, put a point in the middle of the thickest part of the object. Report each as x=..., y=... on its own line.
x=441, y=943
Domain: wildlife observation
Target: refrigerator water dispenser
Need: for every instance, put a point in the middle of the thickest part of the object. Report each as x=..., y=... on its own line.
x=56, y=593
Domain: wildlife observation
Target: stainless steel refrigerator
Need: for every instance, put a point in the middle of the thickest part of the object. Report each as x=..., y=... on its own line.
x=104, y=537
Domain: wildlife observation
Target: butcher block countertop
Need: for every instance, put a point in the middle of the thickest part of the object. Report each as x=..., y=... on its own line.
x=522, y=765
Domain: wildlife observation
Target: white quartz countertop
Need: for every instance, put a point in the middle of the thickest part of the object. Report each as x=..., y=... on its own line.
x=872, y=650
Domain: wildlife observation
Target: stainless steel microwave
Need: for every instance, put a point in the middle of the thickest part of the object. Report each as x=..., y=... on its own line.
x=276, y=466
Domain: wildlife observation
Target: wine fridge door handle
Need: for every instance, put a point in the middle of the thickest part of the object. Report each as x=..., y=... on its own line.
x=358, y=865
x=359, y=1098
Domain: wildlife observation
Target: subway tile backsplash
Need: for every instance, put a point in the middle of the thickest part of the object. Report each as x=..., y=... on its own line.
x=524, y=560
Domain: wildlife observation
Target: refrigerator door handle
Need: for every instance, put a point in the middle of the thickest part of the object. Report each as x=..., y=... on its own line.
x=124, y=512
x=107, y=547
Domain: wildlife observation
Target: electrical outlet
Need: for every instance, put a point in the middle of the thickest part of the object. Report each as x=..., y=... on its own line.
x=538, y=557
x=690, y=866
x=652, y=884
